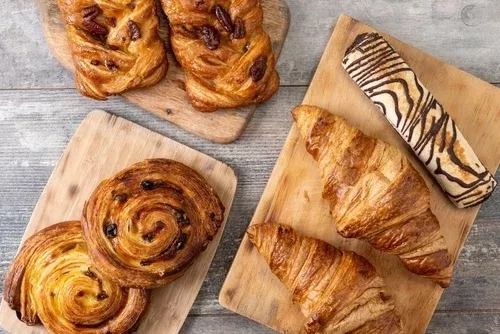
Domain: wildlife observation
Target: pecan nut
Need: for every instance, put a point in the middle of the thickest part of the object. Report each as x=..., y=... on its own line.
x=258, y=68
x=95, y=28
x=210, y=36
x=90, y=13
x=224, y=18
x=133, y=30
x=239, y=28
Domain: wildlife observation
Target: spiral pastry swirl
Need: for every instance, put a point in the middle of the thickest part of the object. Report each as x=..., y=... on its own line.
x=52, y=281
x=147, y=224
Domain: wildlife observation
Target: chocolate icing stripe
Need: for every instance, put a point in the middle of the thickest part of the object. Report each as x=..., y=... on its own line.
x=419, y=118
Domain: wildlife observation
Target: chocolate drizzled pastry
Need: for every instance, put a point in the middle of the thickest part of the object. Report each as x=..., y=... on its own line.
x=419, y=118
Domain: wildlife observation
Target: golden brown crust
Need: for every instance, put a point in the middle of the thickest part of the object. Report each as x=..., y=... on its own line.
x=338, y=291
x=146, y=225
x=52, y=281
x=224, y=50
x=115, y=45
x=375, y=193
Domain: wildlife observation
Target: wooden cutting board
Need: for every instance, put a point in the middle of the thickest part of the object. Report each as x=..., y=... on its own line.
x=101, y=146
x=293, y=193
x=168, y=98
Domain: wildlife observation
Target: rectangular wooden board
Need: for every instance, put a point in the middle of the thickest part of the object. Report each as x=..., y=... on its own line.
x=168, y=98
x=293, y=194
x=103, y=145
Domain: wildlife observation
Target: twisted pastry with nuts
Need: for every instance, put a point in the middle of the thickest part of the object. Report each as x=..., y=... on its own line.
x=52, y=281
x=224, y=50
x=146, y=225
x=338, y=291
x=115, y=45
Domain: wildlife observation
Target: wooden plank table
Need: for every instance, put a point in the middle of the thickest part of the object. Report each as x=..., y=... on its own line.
x=40, y=110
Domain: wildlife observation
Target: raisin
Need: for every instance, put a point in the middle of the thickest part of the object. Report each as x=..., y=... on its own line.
x=147, y=185
x=111, y=230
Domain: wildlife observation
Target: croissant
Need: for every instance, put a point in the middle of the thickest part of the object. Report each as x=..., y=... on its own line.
x=224, y=50
x=52, y=281
x=419, y=118
x=338, y=291
x=375, y=193
x=147, y=224
x=115, y=45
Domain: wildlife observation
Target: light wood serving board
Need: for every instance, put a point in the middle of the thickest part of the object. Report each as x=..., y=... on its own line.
x=168, y=98
x=103, y=145
x=293, y=193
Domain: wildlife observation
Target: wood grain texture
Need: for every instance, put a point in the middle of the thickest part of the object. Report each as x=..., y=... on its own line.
x=443, y=323
x=35, y=127
x=102, y=145
x=168, y=99
x=293, y=194
x=460, y=32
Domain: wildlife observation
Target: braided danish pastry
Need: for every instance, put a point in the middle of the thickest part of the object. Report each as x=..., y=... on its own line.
x=115, y=45
x=52, y=281
x=147, y=224
x=224, y=50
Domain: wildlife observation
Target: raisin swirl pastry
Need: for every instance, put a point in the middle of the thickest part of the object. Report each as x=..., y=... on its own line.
x=115, y=45
x=146, y=225
x=52, y=281
x=224, y=50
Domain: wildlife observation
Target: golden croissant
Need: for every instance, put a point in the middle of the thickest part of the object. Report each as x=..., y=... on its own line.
x=375, y=193
x=147, y=224
x=224, y=50
x=115, y=45
x=52, y=281
x=338, y=291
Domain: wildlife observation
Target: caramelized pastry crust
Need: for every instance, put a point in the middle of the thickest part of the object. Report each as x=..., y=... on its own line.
x=52, y=281
x=375, y=193
x=224, y=50
x=338, y=291
x=147, y=224
x=115, y=45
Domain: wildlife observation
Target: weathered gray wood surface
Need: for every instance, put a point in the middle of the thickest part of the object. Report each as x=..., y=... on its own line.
x=40, y=110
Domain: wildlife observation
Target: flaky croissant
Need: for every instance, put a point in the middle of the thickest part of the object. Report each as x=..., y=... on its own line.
x=338, y=291
x=146, y=225
x=52, y=281
x=115, y=45
x=375, y=193
x=224, y=50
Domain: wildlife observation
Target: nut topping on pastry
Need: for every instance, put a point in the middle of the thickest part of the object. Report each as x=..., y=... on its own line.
x=258, y=68
x=217, y=43
x=239, y=28
x=211, y=37
x=133, y=30
x=122, y=35
x=224, y=18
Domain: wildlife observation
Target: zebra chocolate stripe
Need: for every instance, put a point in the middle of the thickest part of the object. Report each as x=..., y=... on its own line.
x=419, y=118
